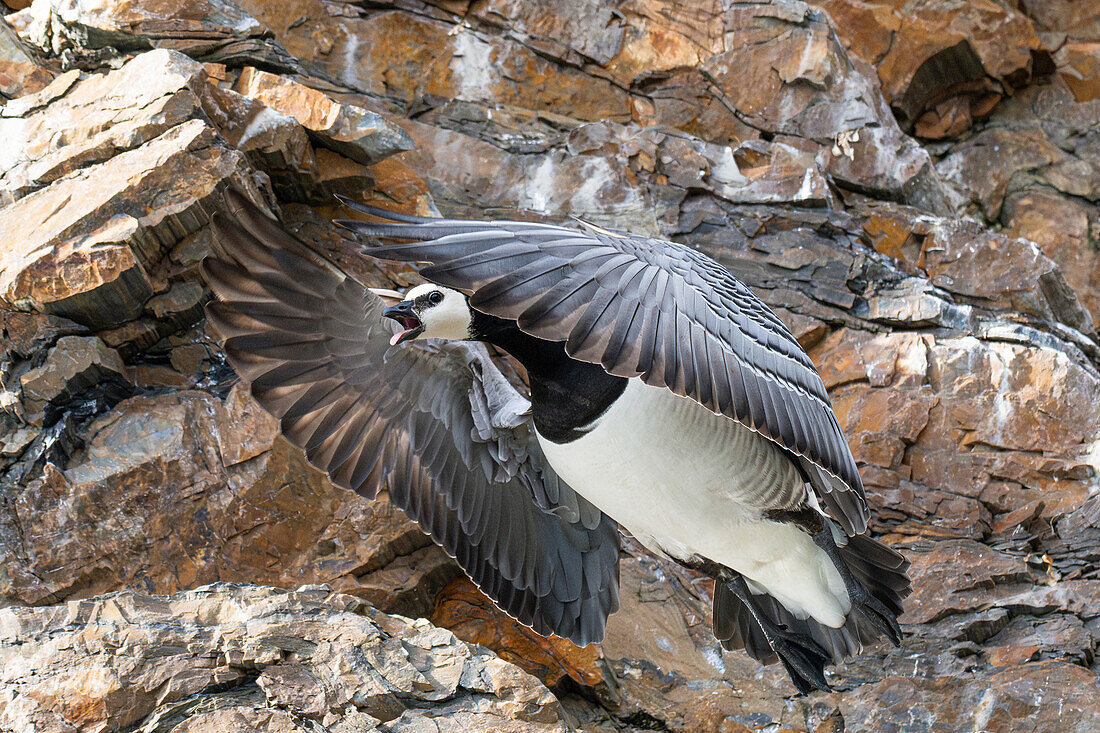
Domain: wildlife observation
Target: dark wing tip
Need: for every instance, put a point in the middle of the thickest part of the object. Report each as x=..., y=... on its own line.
x=236, y=202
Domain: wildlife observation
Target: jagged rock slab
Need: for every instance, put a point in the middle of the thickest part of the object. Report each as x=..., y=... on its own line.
x=941, y=64
x=182, y=488
x=1034, y=167
x=724, y=77
x=90, y=32
x=82, y=247
x=234, y=657
x=21, y=71
x=359, y=134
x=88, y=122
x=73, y=365
x=142, y=138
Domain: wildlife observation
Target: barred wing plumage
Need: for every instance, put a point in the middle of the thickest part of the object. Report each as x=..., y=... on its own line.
x=643, y=307
x=436, y=423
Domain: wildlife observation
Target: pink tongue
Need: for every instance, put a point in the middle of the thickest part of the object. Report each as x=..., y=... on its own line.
x=397, y=336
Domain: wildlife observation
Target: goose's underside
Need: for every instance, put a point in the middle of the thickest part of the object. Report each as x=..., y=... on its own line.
x=691, y=484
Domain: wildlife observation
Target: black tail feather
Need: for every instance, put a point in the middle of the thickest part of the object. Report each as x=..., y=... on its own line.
x=882, y=573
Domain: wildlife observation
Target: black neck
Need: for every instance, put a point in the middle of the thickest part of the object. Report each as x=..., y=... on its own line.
x=566, y=394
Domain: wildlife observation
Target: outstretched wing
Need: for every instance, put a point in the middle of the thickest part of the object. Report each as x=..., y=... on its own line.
x=643, y=307
x=437, y=424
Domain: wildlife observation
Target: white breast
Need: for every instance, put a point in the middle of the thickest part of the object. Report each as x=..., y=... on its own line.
x=685, y=482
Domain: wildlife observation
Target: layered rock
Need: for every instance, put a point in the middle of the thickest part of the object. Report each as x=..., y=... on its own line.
x=942, y=65
x=947, y=293
x=229, y=657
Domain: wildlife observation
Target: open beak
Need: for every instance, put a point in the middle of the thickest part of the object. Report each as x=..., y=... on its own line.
x=410, y=324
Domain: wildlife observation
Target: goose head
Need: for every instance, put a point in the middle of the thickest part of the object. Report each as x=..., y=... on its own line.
x=431, y=311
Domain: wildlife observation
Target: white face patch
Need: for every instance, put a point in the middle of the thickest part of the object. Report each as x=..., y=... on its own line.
x=449, y=318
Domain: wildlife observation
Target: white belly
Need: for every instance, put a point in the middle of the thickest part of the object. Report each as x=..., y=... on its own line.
x=686, y=482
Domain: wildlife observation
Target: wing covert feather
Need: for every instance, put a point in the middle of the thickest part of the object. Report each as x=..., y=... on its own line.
x=692, y=326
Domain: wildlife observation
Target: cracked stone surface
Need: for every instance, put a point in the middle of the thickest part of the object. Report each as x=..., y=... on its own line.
x=222, y=656
x=913, y=187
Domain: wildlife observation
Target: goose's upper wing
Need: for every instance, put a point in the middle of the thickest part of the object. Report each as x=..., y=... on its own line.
x=644, y=307
x=437, y=424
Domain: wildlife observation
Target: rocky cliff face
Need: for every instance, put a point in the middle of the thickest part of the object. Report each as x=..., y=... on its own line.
x=913, y=186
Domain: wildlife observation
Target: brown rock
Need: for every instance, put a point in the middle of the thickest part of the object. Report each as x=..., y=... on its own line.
x=954, y=576
x=398, y=188
x=21, y=71
x=1036, y=168
x=25, y=334
x=180, y=489
x=941, y=64
x=359, y=134
x=1032, y=697
x=253, y=658
x=413, y=57
x=959, y=357
x=274, y=142
x=73, y=365
x=1006, y=656
x=1067, y=17
x=465, y=610
x=344, y=176
x=87, y=257
x=688, y=74
x=1039, y=136
x=1079, y=64
x=1060, y=225
x=92, y=32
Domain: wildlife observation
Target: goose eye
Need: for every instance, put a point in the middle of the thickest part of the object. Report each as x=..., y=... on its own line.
x=435, y=297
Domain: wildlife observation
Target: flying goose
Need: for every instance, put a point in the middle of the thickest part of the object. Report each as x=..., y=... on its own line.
x=665, y=399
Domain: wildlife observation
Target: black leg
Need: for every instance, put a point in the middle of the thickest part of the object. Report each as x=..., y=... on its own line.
x=874, y=610
x=802, y=657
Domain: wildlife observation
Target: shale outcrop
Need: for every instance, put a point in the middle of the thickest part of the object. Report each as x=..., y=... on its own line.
x=914, y=187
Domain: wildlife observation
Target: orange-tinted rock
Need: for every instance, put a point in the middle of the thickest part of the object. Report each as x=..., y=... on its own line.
x=412, y=57
x=465, y=610
x=211, y=30
x=20, y=69
x=359, y=134
x=183, y=489
x=941, y=64
x=398, y=188
x=959, y=357
x=1005, y=656
x=54, y=233
x=337, y=174
x=1060, y=225
x=273, y=141
x=986, y=163
x=272, y=650
x=1079, y=65
x=684, y=69
x=150, y=173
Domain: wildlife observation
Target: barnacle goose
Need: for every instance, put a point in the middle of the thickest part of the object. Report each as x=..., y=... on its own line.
x=666, y=399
